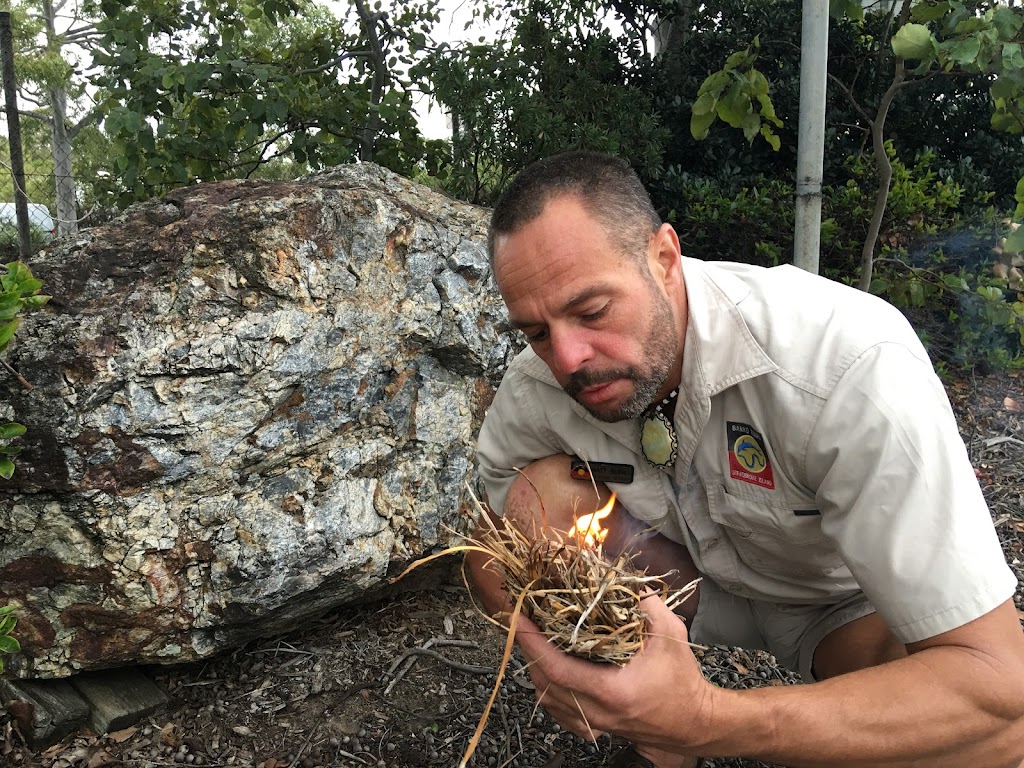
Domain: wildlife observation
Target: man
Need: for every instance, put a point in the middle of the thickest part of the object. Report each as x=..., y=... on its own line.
x=790, y=444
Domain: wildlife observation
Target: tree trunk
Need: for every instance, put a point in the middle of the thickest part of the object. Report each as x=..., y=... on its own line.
x=63, y=173
x=867, y=255
x=378, y=61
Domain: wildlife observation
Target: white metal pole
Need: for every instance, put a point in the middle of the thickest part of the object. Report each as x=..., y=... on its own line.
x=811, y=147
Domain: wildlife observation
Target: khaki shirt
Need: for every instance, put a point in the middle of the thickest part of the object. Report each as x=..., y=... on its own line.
x=818, y=453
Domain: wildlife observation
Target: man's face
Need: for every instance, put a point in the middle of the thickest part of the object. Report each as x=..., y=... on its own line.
x=606, y=330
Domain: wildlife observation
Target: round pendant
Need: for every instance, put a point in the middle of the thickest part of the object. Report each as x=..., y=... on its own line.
x=658, y=439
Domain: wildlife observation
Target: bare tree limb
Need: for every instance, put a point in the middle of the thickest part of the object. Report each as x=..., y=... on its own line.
x=882, y=162
x=378, y=61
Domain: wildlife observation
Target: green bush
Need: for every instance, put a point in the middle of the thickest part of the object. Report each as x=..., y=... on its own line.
x=8, y=644
x=967, y=319
x=19, y=291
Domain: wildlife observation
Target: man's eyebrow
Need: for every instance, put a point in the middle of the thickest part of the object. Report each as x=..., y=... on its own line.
x=580, y=298
x=584, y=296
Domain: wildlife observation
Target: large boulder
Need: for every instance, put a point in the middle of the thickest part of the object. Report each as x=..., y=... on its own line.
x=252, y=402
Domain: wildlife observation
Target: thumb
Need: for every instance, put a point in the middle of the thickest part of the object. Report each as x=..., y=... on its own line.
x=662, y=620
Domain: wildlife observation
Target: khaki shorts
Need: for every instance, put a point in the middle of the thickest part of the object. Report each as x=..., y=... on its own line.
x=790, y=632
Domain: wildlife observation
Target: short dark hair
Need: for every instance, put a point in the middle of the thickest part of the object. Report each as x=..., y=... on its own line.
x=606, y=186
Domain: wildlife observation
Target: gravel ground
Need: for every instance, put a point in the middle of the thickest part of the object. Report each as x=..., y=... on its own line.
x=402, y=683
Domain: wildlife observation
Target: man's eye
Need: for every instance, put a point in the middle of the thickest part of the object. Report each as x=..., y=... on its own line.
x=595, y=315
x=533, y=338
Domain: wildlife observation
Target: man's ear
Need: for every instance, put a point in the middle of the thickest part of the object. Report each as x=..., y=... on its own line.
x=664, y=255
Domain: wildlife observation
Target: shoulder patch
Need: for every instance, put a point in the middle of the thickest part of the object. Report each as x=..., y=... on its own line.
x=748, y=459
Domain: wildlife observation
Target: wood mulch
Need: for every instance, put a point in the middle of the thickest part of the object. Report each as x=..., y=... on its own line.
x=401, y=684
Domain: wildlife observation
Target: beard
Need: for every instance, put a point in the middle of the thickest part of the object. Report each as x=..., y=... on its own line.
x=660, y=346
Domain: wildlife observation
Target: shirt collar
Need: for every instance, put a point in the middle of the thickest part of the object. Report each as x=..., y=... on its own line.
x=720, y=349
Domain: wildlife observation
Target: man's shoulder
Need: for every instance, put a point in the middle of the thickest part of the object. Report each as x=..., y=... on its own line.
x=529, y=367
x=790, y=311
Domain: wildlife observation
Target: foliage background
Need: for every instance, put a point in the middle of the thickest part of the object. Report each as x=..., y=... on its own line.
x=164, y=93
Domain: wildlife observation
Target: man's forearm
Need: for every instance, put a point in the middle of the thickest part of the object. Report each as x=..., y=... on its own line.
x=943, y=706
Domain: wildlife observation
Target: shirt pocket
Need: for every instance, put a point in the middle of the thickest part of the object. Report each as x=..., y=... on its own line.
x=781, y=538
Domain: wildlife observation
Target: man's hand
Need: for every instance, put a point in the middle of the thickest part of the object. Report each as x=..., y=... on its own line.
x=659, y=700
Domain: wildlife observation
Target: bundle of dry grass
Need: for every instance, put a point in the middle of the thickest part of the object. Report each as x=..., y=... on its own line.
x=585, y=603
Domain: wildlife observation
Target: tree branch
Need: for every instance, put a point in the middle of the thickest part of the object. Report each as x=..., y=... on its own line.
x=850, y=97
x=882, y=163
x=335, y=62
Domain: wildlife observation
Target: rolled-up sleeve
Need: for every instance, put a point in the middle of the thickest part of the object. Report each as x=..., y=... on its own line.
x=513, y=435
x=899, y=497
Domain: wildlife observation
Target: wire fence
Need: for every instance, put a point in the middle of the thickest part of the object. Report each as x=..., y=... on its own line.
x=48, y=167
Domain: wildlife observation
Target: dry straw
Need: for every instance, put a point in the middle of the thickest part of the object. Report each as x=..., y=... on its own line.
x=586, y=604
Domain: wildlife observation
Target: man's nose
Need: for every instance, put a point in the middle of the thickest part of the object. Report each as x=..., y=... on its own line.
x=570, y=349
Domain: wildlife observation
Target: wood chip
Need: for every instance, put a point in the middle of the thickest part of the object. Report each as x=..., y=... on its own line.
x=1012, y=405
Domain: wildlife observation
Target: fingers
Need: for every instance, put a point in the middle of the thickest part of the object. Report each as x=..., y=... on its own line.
x=570, y=716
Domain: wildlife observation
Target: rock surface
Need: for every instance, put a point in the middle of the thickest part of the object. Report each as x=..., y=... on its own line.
x=253, y=401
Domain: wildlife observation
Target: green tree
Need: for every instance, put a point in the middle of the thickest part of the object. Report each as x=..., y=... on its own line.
x=936, y=40
x=205, y=90
x=50, y=37
x=558, y=79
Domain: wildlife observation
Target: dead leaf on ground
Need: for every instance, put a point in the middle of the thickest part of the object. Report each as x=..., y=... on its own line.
x=740, y=668
x=122, y=735
x=100, y=759
x=169, y=735
x=23, y=713
x=1009, y=404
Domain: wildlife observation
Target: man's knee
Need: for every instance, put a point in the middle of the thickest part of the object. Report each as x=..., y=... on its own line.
x=862, y=643
x=544, y=495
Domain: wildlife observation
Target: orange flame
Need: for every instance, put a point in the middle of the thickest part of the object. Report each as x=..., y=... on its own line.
x=588, y=528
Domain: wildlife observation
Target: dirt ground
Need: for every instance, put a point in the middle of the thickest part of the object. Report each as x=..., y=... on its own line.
x=403, y=683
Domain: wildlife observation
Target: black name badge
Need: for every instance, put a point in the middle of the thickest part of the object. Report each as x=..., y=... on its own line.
x=600, y=471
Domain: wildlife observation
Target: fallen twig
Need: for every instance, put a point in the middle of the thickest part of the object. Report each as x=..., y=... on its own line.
x=21, y=379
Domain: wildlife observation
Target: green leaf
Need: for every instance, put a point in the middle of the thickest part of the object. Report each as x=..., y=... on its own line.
x=1013, y=58
x=29, y=286
x=990, y=292
x=924, y=13
x=751, y=126
x=773, y=140
x=964, y=51
x=1007, y=22
x=8, y=644
x=11, y=429
x=917, y=294
x=700, y=124
x=714, y=84
x=6, y=468
x=851, y=9
x=10, y=305
x=954, y=282
x=914, y=41
x=879, y=286
x=7, y=332
x=1015, y=241
x=4, y=610
x=1003, y=88
x=7, y=623
x=734, y=107
x=704, y=105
